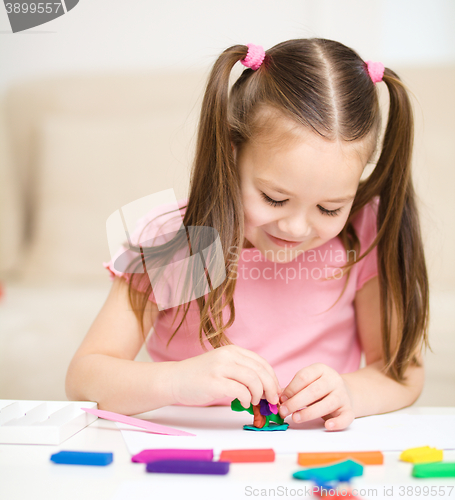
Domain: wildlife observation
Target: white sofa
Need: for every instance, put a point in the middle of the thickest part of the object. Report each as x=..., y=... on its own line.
x=75, y=148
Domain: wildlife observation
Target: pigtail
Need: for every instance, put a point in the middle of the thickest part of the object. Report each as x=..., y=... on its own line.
x=214, y=199
x=402, y=270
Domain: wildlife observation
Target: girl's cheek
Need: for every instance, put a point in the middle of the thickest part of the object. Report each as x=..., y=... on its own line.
x=255, y=216
x=331, y=229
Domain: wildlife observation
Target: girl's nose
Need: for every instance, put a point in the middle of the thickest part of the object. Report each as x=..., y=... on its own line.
x=295, y=227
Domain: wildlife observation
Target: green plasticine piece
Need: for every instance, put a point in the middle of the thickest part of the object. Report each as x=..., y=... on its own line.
x=275, y=418
x=342, y=471
x=436, y=469
x=269, y=428
x=236, y=405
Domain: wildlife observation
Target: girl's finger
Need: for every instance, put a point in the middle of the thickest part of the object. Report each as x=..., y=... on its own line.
x=263, y=362
x=248, y=377
x=269, y=386
x=343, y=420
x=302, y=379
x=329, y=404
x=237, y=390
x=307, y=396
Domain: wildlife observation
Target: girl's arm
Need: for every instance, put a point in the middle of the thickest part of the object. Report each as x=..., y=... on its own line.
x=371, y=391
x=103, y=368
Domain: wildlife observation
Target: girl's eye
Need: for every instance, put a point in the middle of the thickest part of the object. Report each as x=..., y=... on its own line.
x=281, y=203
x=273, y=202
x=329, y=212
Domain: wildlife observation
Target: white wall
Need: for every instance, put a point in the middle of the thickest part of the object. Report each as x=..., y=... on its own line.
x=116, y=34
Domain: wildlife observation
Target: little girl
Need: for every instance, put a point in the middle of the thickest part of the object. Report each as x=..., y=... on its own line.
x=319, y=265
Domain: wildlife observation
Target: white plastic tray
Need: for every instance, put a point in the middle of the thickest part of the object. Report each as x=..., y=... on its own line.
x=42, y=422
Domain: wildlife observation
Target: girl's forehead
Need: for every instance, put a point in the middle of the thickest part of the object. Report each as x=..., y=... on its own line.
x=276, y=132
x=297, y=145
x=273, y=127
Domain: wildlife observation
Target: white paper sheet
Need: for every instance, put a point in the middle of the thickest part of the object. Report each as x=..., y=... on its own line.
x=211, y=488
x=220, y=428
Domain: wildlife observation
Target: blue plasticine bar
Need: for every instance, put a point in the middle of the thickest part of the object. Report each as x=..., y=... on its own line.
x=188, y=467
x=82, y=458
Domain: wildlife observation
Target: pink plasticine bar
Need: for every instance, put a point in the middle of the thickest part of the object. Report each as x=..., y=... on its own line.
x=146, y=456
x=137, y=422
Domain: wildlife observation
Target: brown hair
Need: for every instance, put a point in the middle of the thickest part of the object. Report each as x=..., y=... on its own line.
x=324, y=86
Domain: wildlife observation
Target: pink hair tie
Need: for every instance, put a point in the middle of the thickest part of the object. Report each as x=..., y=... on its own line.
x=254, y=56
x=375, y=70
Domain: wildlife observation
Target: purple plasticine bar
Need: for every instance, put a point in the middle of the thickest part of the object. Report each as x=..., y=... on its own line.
x=188, y=467
x=146, y=456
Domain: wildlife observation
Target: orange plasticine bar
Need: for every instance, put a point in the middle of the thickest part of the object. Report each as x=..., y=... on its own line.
x=259, y=455
x=322, y=458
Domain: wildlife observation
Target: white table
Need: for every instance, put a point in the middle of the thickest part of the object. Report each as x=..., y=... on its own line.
x=27, y=473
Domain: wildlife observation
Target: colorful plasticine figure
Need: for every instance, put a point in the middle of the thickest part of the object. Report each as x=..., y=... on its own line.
x=266, y=417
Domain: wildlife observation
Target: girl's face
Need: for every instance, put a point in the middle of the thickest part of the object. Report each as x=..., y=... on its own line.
x=297, y=189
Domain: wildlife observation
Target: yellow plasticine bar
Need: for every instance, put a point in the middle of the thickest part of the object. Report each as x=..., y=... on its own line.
x=421, y=455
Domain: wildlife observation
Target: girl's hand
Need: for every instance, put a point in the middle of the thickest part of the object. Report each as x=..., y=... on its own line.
x=318, y=391
x=229, y=371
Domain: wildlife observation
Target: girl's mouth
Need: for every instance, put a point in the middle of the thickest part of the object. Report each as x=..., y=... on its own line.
x=283, y=243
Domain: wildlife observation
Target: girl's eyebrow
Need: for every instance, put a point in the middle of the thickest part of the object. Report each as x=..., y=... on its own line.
x=278, y=189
